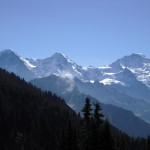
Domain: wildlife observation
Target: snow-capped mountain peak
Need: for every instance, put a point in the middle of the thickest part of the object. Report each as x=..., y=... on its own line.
x=8, y=52
x=138, y=55
x=137, y=64
x=12, y=62
x=56, y=64
x=27, y=63
x=60, y=56
x=132, y=61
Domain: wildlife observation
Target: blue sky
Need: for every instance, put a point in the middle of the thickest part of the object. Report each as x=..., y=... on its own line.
x=90, y=32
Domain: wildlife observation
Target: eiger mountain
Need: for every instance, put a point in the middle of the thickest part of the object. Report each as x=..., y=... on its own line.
x=12, y=62
x=125, y=83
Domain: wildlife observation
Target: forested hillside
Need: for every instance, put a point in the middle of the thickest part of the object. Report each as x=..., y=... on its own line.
x=34, y=120
x=29, y=118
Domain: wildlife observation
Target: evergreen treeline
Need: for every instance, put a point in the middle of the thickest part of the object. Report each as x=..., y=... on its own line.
x=30, y=119
x=34, y=120
x=95, y=133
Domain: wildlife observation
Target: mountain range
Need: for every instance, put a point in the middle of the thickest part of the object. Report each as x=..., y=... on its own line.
x=125, y=83
x=59, y=64
x=138, y=64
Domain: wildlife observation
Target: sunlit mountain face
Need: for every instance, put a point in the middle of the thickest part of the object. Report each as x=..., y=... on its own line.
x=124, y=83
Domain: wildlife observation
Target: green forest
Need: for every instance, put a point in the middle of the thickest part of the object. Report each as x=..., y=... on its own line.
x=31, y=119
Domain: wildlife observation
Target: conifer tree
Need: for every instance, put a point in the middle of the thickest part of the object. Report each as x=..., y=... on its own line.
x=87, y=111
x=97, y=121
x=98, y=115
x=86, y=125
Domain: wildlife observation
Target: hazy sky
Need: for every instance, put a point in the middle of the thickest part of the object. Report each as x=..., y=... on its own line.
x=90, y=32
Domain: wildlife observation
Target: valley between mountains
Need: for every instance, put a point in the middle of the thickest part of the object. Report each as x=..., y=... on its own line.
x=123, y=87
